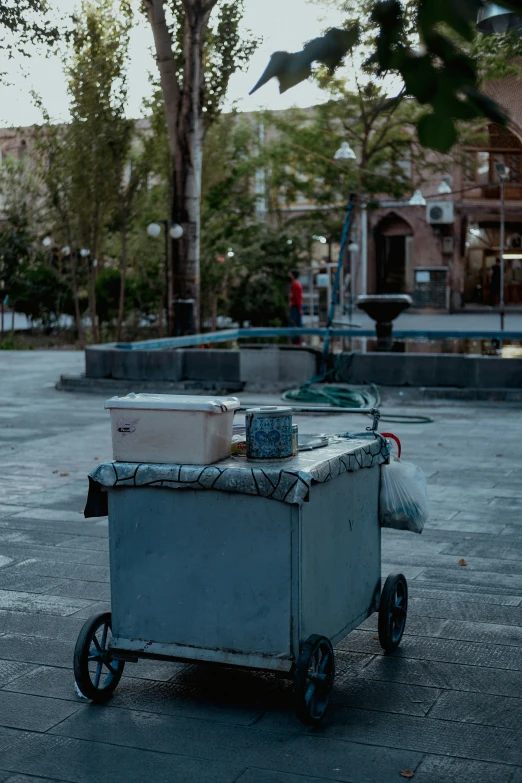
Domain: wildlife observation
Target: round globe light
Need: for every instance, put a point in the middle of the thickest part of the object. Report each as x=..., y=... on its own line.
x=47, y=242
x=176, y=231
x=85, y=252
x=154, y=230
x=66, y=251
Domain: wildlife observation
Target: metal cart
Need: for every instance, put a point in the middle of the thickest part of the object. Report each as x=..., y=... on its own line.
x=265, y=566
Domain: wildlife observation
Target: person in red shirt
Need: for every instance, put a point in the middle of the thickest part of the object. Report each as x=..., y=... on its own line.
x=296, y=303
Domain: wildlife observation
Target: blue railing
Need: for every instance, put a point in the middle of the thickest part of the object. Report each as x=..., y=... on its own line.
x=227, y=335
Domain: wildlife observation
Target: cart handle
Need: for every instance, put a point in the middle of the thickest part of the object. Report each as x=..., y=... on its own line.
x=395, y=438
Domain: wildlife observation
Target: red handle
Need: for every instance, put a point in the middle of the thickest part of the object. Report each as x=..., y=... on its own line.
x=395, y=438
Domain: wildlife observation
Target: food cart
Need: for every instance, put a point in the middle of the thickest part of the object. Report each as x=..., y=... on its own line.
x=260, y=565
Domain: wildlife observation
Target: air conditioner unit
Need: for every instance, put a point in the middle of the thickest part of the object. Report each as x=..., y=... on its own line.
x=440, y=212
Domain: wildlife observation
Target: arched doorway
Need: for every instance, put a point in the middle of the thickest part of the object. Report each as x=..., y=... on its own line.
x=393, y=255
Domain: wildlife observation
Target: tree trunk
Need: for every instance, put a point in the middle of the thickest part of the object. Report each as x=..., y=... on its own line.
x=92, y=301
x=214, y=311
x=121, y=309
x=77, y=314
x=183, y=109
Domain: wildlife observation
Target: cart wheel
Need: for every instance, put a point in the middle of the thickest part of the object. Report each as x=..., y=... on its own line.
x=96, y=673
x=313, y=679
x=392, y=611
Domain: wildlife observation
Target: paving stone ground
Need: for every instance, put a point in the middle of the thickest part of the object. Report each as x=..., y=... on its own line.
x=447, y=705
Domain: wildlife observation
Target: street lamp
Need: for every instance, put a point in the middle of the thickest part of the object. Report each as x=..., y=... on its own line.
x=47, y=242
x=417, y=200
x=503, y=174
x=154, y=230
x=444, y=188
x=175, y=231
x=345, y=152
x=495, y=19
x=85, y=252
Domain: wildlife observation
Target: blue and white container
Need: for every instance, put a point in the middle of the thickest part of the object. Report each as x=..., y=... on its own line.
x=269, y=433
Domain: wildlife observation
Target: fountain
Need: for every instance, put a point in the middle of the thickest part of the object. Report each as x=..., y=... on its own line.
x=384, y=309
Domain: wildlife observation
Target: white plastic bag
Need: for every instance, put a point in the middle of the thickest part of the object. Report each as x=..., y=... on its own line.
x=403, y=502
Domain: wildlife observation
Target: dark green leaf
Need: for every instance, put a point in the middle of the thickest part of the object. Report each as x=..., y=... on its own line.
x=292, y=68
x=437, y=132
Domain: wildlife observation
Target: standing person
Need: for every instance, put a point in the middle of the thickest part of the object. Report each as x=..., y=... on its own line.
x=494, y=285
x=296, y=303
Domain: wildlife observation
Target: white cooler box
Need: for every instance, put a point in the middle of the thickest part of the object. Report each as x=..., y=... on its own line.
x=164, y=428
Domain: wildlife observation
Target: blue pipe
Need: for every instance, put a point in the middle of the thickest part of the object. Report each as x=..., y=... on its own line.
x=227, y=335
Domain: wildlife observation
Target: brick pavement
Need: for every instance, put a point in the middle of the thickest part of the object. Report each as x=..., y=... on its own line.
x=447, y=705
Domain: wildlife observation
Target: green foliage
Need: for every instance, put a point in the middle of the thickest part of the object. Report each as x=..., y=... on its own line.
x=226, y=51
x=23, y=22
x=108, y=286
x=40, y=291
x=429, y=44
x=16, y=244
x=259, y=294
x=381, y=134
x=99, y=136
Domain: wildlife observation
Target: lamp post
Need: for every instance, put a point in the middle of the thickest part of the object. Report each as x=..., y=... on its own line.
x=172, y=231
x=353, y=248
x=503, y=175
x=345, y=152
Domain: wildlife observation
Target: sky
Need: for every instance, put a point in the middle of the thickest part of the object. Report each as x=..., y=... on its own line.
x=282, y=24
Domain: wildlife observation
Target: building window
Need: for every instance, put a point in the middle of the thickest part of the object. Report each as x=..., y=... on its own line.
x=500, y=146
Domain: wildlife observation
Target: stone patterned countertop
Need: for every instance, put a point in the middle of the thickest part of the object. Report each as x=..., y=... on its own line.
x=288, y=481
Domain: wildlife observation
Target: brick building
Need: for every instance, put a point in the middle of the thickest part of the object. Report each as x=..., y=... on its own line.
x=441, y=252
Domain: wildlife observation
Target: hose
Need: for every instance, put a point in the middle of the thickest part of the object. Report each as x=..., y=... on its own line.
x=346, y=396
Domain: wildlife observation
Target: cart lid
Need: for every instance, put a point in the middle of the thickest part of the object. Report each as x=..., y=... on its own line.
x=289, y=481
x=174, y=402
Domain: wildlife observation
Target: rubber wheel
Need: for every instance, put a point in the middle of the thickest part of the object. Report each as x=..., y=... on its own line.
x=313, y=679
x=96, y=673
x=393, y=609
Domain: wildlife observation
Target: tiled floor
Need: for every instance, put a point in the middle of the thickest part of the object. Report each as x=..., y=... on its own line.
x=447, y=705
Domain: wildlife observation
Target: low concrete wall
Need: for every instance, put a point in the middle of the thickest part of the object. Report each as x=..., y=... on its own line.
x=433, y=370
x=280, y=367
x=259, y=367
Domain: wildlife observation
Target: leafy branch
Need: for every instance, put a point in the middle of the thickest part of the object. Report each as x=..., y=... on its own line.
x=437, y=64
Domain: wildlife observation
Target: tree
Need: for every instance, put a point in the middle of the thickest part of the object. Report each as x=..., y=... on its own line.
x=131, y=173
x=21, y=191
x=195, y=61
x=98, y=139
x=53, y=163
x=23, y=22
x=427, y=43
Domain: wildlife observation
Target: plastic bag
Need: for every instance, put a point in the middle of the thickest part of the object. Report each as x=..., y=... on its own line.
x=403, y=501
